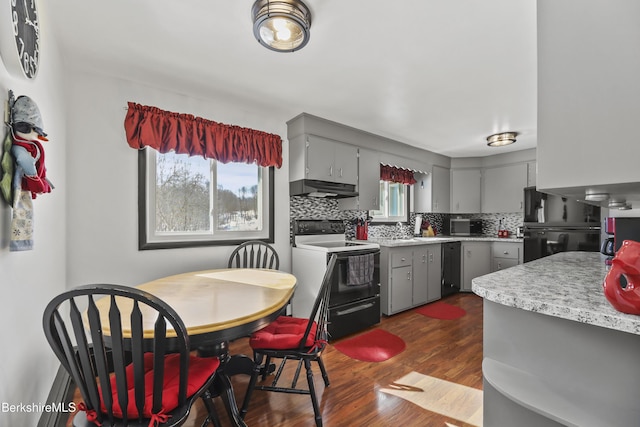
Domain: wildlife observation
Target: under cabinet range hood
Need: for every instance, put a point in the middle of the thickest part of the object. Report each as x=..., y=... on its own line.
x=315, y=188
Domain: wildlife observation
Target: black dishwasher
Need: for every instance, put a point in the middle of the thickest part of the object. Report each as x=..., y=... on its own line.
x=451, y=268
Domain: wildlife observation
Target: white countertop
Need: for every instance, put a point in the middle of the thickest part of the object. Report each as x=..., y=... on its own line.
x=414, y=241
x=567, y=285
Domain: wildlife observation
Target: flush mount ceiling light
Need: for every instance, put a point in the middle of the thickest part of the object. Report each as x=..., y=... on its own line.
x=281, y=25
x=596, y=197
x=500, y=139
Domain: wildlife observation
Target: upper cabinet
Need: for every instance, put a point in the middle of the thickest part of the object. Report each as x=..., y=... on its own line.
x=323, y=159
x=531, y=174
x=431, y=192
x=465, y=190
x=503, y=188
x=588, y=96
x=368, y=183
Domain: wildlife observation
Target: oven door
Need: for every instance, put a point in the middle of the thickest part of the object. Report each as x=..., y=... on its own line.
x=356, y=277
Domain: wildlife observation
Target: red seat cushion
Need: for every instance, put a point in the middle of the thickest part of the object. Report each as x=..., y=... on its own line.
x=200, y=370
x=282, y=334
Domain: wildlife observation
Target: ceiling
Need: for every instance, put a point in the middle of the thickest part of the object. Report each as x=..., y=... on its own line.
x=436, y=74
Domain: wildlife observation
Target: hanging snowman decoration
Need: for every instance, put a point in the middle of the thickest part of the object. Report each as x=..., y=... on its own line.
x=28, y=135
x=24, y=171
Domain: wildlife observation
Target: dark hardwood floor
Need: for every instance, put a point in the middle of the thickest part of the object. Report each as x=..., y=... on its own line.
x=449, y=350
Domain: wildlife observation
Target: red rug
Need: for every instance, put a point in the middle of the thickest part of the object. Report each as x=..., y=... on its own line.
x=441, y=310
x=374, y=346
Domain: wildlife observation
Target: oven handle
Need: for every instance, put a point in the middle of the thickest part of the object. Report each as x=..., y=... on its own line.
x=354, y=309
x=347, y=254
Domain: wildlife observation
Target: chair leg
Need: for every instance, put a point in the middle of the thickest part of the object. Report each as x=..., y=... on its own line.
x=257, y=357
x=325, y=375
x=211, y=409
x=267, y=364
x=312, y=392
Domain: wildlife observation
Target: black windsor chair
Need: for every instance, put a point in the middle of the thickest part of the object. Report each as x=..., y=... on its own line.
x=293, y=338
x=114, y=366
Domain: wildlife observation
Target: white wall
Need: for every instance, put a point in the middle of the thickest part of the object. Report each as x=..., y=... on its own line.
x=102, y=239
x=28, y=280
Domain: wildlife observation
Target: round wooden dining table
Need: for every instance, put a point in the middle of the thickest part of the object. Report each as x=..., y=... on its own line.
x=217, y=306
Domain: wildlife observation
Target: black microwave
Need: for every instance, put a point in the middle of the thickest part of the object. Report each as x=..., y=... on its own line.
x=465, y=227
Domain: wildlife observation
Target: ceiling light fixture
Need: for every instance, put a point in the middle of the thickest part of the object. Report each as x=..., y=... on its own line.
x=500, y=139
x=596, y=197
x=281, y=25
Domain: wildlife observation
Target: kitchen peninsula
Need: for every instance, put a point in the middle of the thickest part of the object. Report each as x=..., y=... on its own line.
x=555, y=351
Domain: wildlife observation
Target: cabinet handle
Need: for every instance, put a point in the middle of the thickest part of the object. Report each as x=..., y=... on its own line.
x=340, y=172
x=506, y=252
x=499, y=266
x=330, y=170
x=408, y=275
x=520, y=205
x=424, y=258
x=403, y=259
x=430, y=257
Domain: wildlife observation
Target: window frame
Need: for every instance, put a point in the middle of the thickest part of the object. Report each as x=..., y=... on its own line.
x=145, y=242
x=387, y=220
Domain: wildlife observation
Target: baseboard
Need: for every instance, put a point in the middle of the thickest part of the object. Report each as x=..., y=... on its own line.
x=61, y=393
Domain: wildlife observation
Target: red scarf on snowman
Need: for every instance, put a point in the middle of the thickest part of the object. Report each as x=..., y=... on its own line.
x=39, y=183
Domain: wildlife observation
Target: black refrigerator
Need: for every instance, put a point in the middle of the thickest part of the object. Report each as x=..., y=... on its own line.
x=555, y=224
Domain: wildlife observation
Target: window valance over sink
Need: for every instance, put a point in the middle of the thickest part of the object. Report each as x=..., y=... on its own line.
x=394, y=174
x=165, y=131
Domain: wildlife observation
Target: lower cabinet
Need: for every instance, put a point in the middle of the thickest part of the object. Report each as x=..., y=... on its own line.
x=505, y=255
x=475, y=262
x=410, y=276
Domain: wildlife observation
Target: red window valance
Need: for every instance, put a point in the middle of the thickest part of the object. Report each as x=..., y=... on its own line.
x=187, y=134
x=394, y=174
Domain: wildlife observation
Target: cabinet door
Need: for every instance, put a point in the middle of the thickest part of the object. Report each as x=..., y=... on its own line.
x=465, y=190
x=345, y=163
x=431, y=193
x=319, y=159
x=476, y=261
x=434, y=280
x=401, y=288
x=531, y=174
x=503, y=188
x=420, y=275
x=368, y=179
x=440, y=190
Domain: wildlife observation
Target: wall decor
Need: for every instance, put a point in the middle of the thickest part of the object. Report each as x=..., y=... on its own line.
x=24, y=174
x=20, y=38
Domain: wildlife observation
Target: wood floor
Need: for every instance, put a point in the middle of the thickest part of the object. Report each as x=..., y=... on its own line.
x=449, y=350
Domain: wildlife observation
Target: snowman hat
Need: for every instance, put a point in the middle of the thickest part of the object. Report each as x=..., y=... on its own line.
x=25, y=110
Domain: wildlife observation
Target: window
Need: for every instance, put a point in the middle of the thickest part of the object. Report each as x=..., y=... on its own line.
x=191, y=201
x=394, y=203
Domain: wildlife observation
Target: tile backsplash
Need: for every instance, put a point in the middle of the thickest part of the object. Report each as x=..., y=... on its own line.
x=321, y=208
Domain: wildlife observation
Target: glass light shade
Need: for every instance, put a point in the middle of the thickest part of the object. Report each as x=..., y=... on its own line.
x=282, y=26
x=501, y=139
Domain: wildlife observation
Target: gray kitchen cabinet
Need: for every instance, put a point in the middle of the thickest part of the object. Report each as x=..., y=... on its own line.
x=410, y=276
x=531, y=174
x=475, y=262
x=431, y=192
x=434, y=281
x=314, y=157
x=588, y=105
x=503, y=188
x=465, y=190
x=401, y=289
x=368, y=183
x=505, y=255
